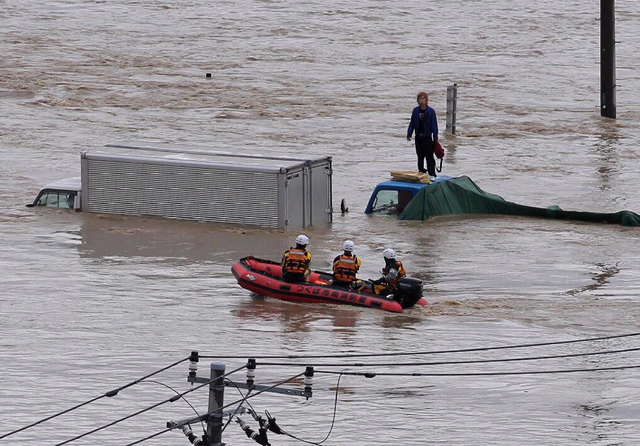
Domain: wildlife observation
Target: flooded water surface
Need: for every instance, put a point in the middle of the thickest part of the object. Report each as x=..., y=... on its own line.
x=90, y=303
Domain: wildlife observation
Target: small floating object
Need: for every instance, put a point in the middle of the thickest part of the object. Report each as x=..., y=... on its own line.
x=343, y=206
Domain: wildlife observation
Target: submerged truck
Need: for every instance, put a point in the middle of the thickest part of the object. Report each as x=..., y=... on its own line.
x=176, y=182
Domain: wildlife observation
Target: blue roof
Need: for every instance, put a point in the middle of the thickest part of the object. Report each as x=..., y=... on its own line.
x=399, y=185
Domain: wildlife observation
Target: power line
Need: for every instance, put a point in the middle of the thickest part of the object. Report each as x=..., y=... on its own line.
x=172, y=399
x=333, y=419
x=109, y=394
x=240, y=401
x=178, y=393
x=432, y=352
x=374, y=374
x=531, y=372
x=469, y=361
x=365, y=374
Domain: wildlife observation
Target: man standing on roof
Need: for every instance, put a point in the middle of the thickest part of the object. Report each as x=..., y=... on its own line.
x=295, y=261
x=392, y=272
x=346, y=266
x=425, y=124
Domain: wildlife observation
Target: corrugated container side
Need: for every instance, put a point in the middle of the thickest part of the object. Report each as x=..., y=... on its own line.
x=179, y=190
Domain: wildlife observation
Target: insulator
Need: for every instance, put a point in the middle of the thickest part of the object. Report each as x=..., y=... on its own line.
x=246, y=428
x=193, y=366
x=186, y=429
x=251, y=372
x=308, y=381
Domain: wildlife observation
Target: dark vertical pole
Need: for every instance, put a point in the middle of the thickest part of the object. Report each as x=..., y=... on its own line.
x=607, y=59
x=216, y=401
x=452, y=105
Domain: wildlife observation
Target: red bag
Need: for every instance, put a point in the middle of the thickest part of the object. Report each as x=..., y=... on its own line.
x=438, y=150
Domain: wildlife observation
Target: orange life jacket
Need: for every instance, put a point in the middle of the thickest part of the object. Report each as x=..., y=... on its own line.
x=345, y=268
x=296, y=261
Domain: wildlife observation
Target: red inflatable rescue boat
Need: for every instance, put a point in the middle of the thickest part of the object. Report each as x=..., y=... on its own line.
x=264, y=277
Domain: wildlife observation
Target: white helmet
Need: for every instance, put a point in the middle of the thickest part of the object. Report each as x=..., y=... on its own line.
x=302, y=240
x=348, y=246
x=389, y=253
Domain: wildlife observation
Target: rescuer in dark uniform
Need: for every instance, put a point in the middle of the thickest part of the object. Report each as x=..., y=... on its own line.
x=392, y=272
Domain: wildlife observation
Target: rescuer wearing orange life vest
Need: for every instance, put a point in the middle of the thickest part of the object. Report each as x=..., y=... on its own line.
x=392, y=272
x=295, y=261
x=346, y=266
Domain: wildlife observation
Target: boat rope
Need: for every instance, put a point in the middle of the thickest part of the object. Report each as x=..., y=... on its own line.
x=109, y=394
x=427, y=352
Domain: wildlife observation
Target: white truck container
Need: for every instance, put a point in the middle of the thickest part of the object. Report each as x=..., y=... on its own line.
x=175, y=182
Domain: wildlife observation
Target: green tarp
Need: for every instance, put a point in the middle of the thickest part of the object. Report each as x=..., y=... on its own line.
x=462, y=196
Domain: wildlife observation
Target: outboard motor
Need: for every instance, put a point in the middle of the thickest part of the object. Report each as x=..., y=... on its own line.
x=409, y=292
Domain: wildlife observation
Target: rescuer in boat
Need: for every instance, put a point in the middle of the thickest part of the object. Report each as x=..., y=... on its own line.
x=295, y=261
x=392, y=272
x=345, y=268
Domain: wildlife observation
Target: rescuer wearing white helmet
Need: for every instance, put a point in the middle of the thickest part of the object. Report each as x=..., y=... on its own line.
x=392, y=272
x=346, y=266
x=295, y=261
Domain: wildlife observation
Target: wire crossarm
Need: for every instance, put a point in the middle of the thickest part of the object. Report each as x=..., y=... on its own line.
x=227, y=413
x=251, y=374
x=269, y=389
x=217, y=381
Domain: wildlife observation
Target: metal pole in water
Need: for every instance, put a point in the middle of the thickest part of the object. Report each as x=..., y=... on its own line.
x=607, y=59
x=216, y=401
x=452, y=105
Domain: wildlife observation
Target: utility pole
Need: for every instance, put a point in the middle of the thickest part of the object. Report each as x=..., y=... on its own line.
x=215, y=415
x=607, y=59
x=216, y=401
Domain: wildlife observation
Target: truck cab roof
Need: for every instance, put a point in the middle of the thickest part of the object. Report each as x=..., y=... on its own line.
x=69, y=184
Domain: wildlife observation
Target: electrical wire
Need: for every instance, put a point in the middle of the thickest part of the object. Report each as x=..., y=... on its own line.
x=111, y=393
x=433, y=352
x=469, y=361
x=531, y=372
x=373, y=374
x=333, y=420
x=365, y=374
x=178, y=393
x=244, y=398
x=172, y=399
